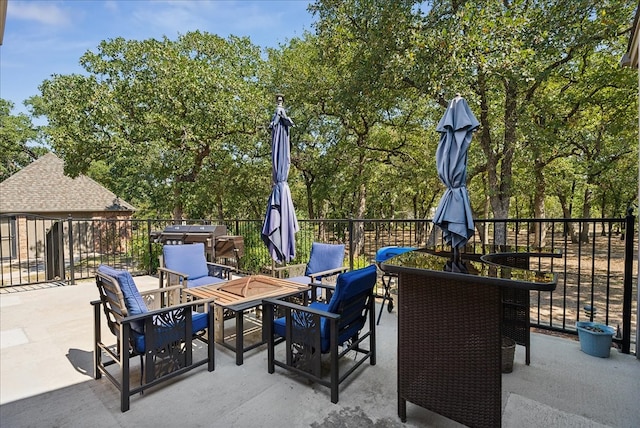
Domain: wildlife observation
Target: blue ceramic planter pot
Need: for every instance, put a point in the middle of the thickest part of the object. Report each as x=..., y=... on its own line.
x=595, y=339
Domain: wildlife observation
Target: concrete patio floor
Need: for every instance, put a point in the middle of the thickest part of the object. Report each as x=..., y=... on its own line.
x=46, y=380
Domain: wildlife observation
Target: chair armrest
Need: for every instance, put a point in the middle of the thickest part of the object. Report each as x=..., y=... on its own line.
x=328, y=287
x=324, y=276
x=165, y=326
x=297, y=307
x=172, y=272
x=330, y=272
x=284, y=268
x=159, y=291
x=291, y=270
x=142, y=317
x=161, y=297
x=220, y=270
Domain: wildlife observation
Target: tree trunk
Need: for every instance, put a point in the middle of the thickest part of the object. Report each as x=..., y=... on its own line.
x=586, y=212
x=177, y=205
x=308, y=184
x=358, y=239
x=322, y=227
x=220, y=206
x=499, y=160
x=569, y=229
x=540, y=233
x=603, y=207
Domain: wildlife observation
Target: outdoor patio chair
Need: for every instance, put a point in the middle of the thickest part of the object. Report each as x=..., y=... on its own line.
x=325, y=260
x=325, y=264
x=335, y=328
x=162, y=337
x=187, y=265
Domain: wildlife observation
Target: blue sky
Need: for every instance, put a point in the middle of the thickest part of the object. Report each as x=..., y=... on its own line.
x=45, y=37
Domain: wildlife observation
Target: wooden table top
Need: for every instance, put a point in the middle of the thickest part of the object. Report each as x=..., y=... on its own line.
x=247, y=289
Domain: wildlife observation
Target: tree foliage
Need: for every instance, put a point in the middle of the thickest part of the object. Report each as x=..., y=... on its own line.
x=169, y=118
x=181, y=126
x=509, y=59
x=16, y=131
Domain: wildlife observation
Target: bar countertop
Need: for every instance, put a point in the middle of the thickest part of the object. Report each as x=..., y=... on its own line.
x=481, y=271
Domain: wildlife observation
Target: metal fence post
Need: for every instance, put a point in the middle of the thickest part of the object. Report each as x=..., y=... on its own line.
x=350, y=227
x=72, y=272
x=149, y=271
x=628, y=282
x=59, y=236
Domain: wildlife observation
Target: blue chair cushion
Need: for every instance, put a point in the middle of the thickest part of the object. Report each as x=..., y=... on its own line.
x=325, y=257
x=188, y=259
x=168, y=333
x=349, y=284
x=304, y=280
x=205, y=280
x=132, y=298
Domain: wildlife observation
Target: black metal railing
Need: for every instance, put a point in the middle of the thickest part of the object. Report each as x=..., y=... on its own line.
x=595, y=271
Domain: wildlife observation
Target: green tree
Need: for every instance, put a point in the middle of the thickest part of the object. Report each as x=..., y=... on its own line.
x=168, y=118
x=378, y=117
x=501, y=55
x=296, y=71
x=181, y=126
x=16, y=132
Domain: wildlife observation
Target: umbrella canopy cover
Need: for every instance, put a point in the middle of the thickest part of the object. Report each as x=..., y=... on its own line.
x=280, y=223
x=453, y=214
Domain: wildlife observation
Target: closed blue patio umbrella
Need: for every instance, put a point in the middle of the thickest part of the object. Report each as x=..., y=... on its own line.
x=453, y=214
x=280, y=223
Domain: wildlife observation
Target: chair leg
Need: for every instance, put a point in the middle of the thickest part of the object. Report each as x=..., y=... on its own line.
x=267, y=325
x=141, y=371
x=124, y=368
x=335, y=375
x=335, y=382
x=97, y=333
x=372, y=330
x=211, y=347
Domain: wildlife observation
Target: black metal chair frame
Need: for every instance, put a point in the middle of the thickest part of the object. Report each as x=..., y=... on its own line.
x=169, y=350
x=174, y=277
x=303, y=356
x=289, y=271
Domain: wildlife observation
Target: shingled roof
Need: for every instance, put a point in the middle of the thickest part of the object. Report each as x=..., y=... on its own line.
x=42, y=187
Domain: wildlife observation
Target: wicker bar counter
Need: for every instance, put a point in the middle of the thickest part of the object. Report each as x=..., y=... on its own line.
x=449, y=334
x=516, y=307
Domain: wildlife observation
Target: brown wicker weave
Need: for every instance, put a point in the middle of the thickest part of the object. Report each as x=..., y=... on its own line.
x=449, y=348
x=449, y=332
x=516, y=304
x=516, y=319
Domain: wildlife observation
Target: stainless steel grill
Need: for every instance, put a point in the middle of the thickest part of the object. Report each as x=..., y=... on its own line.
x=177, y=234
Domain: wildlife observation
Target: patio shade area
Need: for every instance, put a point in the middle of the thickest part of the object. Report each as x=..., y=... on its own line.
x=46, y=379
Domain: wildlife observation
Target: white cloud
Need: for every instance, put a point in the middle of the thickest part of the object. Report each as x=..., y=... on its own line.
x=47, y=13
x=111, y=5
x=45, y=37
x=222, y=17
x=168, y=19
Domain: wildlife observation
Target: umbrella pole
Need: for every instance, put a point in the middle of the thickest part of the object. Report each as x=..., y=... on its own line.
x=456, y=254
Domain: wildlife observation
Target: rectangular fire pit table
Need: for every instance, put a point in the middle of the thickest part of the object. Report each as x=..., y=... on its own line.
x=239, y=296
